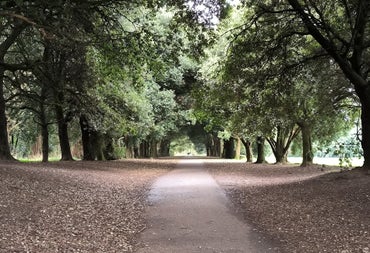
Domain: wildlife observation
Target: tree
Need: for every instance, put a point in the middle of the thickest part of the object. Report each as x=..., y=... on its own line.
x=340, y=28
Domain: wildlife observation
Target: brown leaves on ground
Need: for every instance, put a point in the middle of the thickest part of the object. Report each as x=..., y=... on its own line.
x=305, y=209
x=74, y=206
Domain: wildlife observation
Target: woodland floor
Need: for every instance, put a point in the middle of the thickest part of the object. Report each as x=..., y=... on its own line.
x=99, y=206
x=304, y=209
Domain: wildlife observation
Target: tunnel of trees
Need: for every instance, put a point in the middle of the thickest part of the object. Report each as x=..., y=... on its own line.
x=110, y=79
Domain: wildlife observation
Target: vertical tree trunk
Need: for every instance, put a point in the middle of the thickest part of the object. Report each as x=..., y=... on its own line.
x=153, y=149
x=164, y=148
x=144, y=149
x=45, y=142
x=229, y=148
x=97, y=145
x=365, y=141
x=44, y=126
x=248, y=149
x=65, y=147
x=4, y=142
x=307, y=154
x=238, y=148
x=261, y=150
x=213, y=146
x=45, y=135
x=86, y=139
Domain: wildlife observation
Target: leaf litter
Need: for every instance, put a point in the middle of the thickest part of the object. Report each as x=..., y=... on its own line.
x=75, y=206
x=312, y=209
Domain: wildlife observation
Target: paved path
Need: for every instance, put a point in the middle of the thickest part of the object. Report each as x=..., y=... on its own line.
x=189, y=213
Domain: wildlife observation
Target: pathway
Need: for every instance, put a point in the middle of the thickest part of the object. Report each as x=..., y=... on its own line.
x=189, y=213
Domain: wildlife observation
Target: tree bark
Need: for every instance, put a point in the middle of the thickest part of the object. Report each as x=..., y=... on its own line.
x=65, y=147
x=164, y=148
x=97, y=145
x=4, y=142
x=86, y=139
x=153, y=149
x=365, y=141
x=213, y=146
x=44, y=134
x=229, y=148
x=238, y=148
x=307, y=154
x=5, y=153
x=261, y=150
x=248, y=149
x=144, y=149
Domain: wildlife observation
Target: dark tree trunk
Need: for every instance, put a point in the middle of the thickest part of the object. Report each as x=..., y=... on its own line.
x=45, y=135
x=229, y=148
x=45, y=142
x=365, y=141
x=248, y=149
x=261, y=150
x=97, y=145
x=44, y=127
x=213, y=146
x=164, y=148
x=88, y=154
x=153, y=149
x=65, y=147
x=5, y=153
x=4, y=142
x=307, y=154
x=144, y=149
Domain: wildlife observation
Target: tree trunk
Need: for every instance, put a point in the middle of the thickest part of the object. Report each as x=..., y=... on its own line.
x=164, y=148
x=5, y=153
x=238, y=148
x=213, y=146
x=153, y=149
x=144, y=149
x=261, y=150
x=88, y=154
x=307, y=155
x=44, y=126
x=229, y=149
x=97, y=145
x=248, y=149
x=365, y=140
x=44, y=134
x=65, y=147
x=4, y=142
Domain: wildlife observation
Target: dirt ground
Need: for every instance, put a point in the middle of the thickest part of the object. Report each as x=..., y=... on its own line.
x=74, y=206
x=305, y=209
x=99, y=206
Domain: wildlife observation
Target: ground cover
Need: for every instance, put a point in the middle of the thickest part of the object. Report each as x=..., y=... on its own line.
x=74, y=206
x=304, y=209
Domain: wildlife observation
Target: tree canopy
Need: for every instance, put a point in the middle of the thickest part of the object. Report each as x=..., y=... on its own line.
x=125, y=78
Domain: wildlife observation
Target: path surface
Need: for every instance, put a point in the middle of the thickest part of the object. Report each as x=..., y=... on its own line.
x=190, y=213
